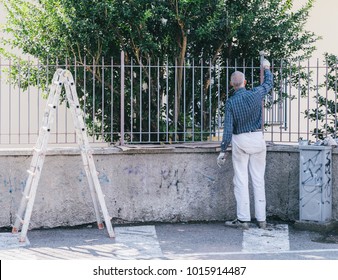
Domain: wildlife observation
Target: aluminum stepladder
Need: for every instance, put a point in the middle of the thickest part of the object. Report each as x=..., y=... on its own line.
x=61, y=78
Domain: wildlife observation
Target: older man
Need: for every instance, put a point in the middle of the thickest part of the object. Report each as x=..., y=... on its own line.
x=243, y=128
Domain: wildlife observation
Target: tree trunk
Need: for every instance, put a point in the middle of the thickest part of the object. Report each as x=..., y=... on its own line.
x=180, y=66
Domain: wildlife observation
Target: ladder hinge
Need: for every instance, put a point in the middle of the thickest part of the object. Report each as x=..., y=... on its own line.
x=52, y=106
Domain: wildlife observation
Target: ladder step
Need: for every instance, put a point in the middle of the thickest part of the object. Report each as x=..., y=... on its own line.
x=30, y=172
x=20, y=219
x=25, y=196
x=38, y=150
x=51, y=106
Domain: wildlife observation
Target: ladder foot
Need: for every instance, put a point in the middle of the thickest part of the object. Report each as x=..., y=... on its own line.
x=100, y=225
x=14, y=230
x=22, y=240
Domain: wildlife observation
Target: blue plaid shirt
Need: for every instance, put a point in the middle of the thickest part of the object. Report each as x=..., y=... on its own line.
x=243, y=111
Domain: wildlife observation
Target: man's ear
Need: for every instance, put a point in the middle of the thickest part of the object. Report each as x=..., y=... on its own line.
x=244, y=82
x=231, y=84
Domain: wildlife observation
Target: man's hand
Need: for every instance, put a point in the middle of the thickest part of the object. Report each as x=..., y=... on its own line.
x=265, y=64
x=221, y=159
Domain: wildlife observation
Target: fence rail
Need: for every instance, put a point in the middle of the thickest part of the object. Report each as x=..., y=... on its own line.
x=153, y=101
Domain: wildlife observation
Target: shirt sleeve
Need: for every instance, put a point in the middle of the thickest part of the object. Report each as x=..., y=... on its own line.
x=228, y=127
x=267, y=85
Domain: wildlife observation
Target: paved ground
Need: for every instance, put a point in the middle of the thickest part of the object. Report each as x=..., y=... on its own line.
x=203, y=241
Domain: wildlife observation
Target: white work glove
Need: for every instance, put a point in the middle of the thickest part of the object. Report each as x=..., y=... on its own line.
x=265, y=64
x=221, y=159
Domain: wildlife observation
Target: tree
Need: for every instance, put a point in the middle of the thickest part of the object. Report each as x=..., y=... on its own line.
x=176, y=32
x=326, y=108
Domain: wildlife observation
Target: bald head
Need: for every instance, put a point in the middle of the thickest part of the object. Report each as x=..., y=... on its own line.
x=237, y=80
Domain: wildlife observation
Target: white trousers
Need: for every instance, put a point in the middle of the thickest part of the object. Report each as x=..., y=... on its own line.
x=249, y=157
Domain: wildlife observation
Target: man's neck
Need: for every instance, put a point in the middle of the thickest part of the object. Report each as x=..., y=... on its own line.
x=236, y=89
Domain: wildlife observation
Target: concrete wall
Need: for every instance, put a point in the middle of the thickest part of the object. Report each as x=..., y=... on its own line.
x=149, y=184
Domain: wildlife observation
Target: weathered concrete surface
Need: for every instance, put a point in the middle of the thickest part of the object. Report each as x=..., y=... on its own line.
x=150, y=184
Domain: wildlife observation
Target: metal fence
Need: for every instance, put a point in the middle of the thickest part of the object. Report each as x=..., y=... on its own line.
x=161, y=101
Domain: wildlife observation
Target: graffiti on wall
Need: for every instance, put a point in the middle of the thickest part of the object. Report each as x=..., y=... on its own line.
x=315, y=179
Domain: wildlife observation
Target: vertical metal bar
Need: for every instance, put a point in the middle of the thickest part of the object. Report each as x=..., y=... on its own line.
x=131, y=100
x=112, y=100
x=93, y=102
x=66, y=111
x=29, y=100
x=308, y=100
x=218, y=100
x=326, y=95
x=10, y=102
x=184, y=101
x=252, y=73
x=38, y=98
x=335, y=103
x=19, y=109
x=299, y=97
x=175, y=106
x=290, y=99
x=103, y=103
x=272, y=115
x=280, y=102
x=317, y=96
x=202, y=121
x=261, y=54
x=57, y=111
x=210, y=99
x=226, y=91
x=227, y=79
x=167, y=101
x=158, y=100
x=140, y=91
x=0, y=100
x=47, y=84
x=75, y=70
x=84, y=86
x=141, y=100
x=244, y=68
x=285, y=102
x=149, y=100
x=75, y=82
x=122, y=98
x=193, y=101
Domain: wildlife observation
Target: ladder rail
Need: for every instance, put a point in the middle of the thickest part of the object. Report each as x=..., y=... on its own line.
x=76, y=113
x=86, y=152
x=38, y=151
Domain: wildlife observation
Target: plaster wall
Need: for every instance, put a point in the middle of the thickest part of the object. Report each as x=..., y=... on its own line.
x=169, y=184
